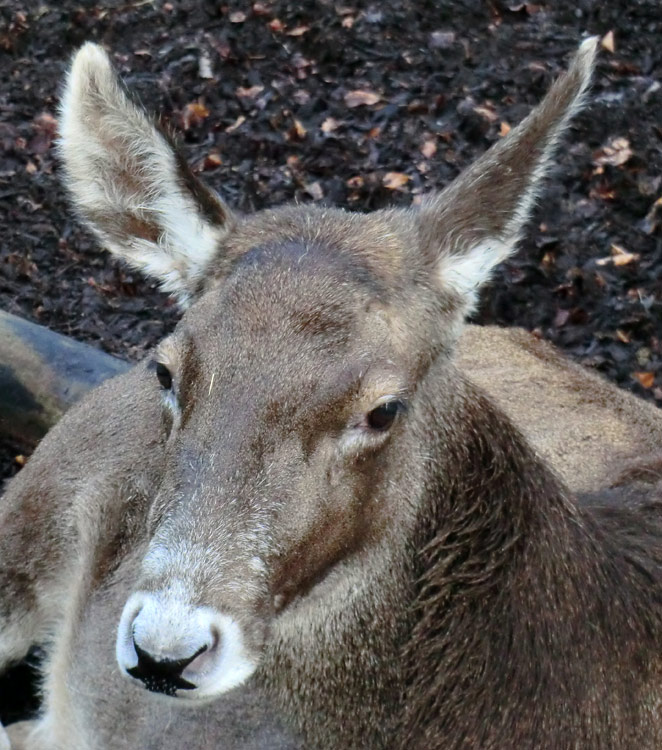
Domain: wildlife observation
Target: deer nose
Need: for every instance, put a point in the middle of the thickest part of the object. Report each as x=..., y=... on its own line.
x=179, y=649
x=166, y=644
x=163, y=675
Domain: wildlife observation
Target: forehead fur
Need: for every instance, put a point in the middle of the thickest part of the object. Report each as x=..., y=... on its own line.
x=301, y=291
x=290, y=287
x=379, y=242
x=379, y=253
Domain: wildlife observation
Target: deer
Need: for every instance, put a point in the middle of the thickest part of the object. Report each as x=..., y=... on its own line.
x=301, y=521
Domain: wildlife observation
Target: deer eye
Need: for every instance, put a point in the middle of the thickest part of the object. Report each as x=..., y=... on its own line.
x=164, y=376
x=382, y=417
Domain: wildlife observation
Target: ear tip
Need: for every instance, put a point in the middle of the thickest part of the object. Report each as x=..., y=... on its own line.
x=90, y=62
x=90, y=72
x=91, y=53
x=585, y=56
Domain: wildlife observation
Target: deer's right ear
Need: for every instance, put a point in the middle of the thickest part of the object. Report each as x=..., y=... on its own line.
x=129, y=183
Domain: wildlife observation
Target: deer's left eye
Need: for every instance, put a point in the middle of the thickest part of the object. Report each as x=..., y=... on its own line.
x=381, y=418
x=164, y=376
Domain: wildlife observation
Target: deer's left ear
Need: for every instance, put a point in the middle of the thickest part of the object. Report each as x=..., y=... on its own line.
x=475, y=223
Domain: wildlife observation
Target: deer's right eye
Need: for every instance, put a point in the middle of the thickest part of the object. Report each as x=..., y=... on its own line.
x=164, y=376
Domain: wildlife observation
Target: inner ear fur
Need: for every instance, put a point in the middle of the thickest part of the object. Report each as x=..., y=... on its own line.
x=130, y=184
x=475, y=223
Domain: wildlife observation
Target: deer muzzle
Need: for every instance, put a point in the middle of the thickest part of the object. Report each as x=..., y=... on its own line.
x=172, y=647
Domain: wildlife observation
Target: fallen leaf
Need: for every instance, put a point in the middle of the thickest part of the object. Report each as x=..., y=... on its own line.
x=194, y=113
x=622, y=336
x=603, y=192
x=276, y=24
x=260, y=9
x=204, y=66
x=45, y=122
x=355, y=182
x=298, y=31
x=645, y=378
x=301, y=96
x=360, y=97
x=487, y=111
x=652, y=89
x=607, y=42
x=314, y=190
x=619, y=257
x=615, y=153
x=20, y=459
x=649, y=185
x=248, y=93
x=237, y=17
x=442, y=39
x=347, y=22
x=45, y=127
x=395, y=180
x=236, y=124
x=429, y=148
x=300, y=129
x=504, y=128
x=653, y=218
x=329, y=125
x=297, y=131
x=561, y=318
x=212, y=160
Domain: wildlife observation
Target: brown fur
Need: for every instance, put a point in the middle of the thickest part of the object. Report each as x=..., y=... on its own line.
x=590, y=432
x=432, y=585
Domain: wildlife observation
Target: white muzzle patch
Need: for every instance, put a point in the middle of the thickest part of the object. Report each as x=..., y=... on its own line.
x=194, y=653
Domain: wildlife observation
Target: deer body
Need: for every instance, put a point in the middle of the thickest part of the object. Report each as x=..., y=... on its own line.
x=298, y=521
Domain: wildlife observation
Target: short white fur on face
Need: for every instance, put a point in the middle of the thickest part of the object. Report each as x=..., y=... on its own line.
x=126, y=181
x=477, y=221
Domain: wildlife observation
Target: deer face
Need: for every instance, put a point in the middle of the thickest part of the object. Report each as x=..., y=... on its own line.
x=287, y=391
x=295, y=388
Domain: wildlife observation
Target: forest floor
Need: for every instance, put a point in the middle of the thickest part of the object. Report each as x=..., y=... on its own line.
x=361, y=105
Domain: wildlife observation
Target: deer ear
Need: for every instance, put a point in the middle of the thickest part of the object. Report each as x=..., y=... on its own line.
x=129, y=183
x=475, y=223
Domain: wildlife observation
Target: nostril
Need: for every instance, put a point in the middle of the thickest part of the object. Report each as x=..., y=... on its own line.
x=163, y=675
x=179, y=650
x=206, y=657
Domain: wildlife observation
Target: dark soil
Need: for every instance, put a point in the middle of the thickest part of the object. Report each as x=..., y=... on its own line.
x=450, y=77
x=258, y=93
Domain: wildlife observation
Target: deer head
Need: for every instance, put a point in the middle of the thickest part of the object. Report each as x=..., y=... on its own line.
x=305, y=383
